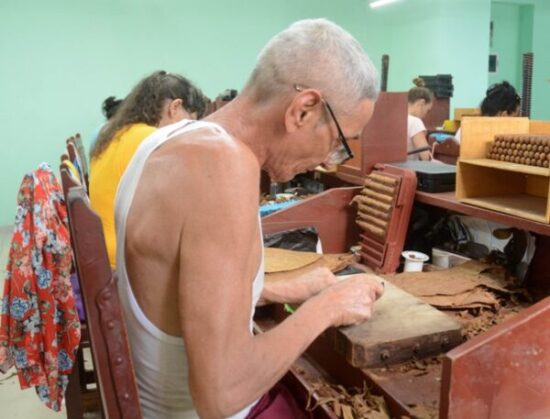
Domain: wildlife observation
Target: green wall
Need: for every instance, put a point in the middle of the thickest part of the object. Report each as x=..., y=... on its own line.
x=506, y=36
x=512, y=37
x=523, y=26
x=526, y=19
x=540, y=107
x=61, y=58
x=434, y=37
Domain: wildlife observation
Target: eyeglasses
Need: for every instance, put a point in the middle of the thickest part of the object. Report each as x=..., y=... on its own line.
x=344, y=153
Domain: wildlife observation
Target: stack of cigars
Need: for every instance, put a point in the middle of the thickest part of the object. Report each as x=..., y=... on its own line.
x=375, y=204
x=531, y=150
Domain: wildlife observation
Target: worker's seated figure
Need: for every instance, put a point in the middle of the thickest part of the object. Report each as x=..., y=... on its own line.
x=190, y=253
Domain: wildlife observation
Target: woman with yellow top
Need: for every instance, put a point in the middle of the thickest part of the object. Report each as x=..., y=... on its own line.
x=158, y=100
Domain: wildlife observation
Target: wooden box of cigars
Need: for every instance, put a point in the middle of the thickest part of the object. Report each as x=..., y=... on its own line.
x=504, y=166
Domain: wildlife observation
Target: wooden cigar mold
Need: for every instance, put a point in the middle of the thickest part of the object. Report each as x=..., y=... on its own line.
x=383, y=211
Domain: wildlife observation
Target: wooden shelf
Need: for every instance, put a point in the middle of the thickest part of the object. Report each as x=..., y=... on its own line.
x=509, y=167
x=448, y=201
x=525, y=206
x=516, y=189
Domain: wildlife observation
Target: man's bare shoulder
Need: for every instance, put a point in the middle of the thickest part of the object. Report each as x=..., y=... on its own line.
x=207, y=152
x=196, y=177
x=200, y=169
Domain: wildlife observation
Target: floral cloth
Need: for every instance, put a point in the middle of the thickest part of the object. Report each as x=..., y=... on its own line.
x=40, y=328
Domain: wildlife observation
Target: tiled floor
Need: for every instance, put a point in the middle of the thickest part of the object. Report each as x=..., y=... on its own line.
x=17, y=403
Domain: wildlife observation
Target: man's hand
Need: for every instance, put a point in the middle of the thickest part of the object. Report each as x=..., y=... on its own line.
x=350, y=301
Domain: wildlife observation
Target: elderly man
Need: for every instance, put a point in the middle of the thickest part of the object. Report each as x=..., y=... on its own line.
x=190, y=259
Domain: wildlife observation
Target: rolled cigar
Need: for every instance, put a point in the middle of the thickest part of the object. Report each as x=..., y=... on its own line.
x=373, y=220
x=386, y=180
x=364, y=200
x=365, y=209
x=378, y=196
x=371, y=229
x=378, y=187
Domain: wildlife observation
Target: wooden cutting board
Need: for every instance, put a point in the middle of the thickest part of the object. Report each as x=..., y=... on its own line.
x=402, y=328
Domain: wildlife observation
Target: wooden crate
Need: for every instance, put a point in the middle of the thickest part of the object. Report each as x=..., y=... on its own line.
x=511, y=188
x=462, y=112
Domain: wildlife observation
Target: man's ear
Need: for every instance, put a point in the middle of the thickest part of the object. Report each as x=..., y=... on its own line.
x=305, y=108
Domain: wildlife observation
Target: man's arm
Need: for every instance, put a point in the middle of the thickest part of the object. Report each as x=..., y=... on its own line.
x=296, y=286
x=219, y=255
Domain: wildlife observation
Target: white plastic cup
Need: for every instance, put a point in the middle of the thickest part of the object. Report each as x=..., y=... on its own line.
x=440, y=258
x=414, y=261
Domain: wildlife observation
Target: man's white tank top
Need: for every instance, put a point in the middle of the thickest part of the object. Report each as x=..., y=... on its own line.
x=159, y=359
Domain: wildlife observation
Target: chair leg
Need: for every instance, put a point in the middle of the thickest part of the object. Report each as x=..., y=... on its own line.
x=73, y=395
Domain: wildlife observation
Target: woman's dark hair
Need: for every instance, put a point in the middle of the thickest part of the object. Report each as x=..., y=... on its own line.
x=145, y=102
x=420, y=92
x=500, y=97
x=110, y=106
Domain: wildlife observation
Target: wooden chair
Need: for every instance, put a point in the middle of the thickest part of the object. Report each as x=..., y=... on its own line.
x=105, y=325
x=446, y=151
x=82, y=393
x=77, y=155
x=82, y=154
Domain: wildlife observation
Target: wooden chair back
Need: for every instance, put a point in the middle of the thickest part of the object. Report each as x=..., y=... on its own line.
x=77, y=155
x=82, y=154
x=104, y=318
x=446, y=151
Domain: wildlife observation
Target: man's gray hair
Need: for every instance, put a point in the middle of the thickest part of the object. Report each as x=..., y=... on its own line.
x=319, y=54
